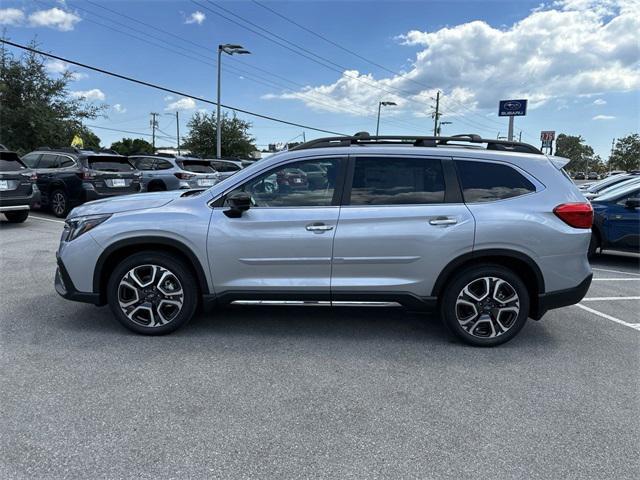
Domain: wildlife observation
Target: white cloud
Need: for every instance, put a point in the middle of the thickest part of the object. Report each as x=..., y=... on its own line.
x=60, y=67
x=54, y=18
x=91, y=95
x=119, y=108
x=196, y=17
x=11, y=16
x=168, y=98
x=571, y=48
x=599, y=102
x=184, y=103
x=603, y=117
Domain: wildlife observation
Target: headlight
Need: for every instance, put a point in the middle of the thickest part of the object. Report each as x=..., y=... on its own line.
x=74, y=227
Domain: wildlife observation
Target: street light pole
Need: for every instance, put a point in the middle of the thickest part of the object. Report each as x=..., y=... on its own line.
x=229, y=49
x=380, y=105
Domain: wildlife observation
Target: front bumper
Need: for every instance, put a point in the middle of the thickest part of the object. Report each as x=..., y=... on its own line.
x=561, y=298
x=66, y=289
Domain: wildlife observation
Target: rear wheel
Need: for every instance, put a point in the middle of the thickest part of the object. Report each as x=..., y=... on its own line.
x=485, y=305
x=59, y=203
x=152, y=293
x=17, y=217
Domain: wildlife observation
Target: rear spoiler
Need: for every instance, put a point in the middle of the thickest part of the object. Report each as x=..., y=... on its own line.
x=558, y=162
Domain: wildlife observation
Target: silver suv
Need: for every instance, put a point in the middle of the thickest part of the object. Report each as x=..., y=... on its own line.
x=161, y=173
x=487, y=232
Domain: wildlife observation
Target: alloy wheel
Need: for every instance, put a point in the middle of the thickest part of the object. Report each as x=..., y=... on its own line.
x=150, y=295
x=487, y=307
x=58, y=203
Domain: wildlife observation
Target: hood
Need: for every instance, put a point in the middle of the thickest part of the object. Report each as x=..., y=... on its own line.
x=127, y=203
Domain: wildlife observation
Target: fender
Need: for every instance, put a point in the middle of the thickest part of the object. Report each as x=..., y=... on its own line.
x=487, y=253
x=149, y=240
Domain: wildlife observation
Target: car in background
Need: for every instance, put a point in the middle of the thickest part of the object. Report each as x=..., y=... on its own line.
x=597, y=187
x=632, y=180
x=593, y=176
x=613, y=173
x=579, y=176
x=160, y=173
x=616, y=224
x=225, y=168
x=18, y=188
x=68, y=177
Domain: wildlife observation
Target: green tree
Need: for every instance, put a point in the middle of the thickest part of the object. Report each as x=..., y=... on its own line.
x=581, y=156
x=36, y=109
x=201, y=140
x=132, y=146
x=626, y=153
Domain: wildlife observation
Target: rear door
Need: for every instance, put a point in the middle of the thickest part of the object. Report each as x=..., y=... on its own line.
x=401, y=222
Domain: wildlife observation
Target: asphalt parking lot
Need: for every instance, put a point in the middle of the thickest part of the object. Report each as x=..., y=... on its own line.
x=295, y=392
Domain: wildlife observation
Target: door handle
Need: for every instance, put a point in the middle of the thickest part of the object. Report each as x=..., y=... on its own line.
x=318, y=227
x=443, y=221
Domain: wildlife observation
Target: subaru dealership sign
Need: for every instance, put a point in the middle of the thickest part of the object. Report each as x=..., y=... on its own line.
x=512, y=108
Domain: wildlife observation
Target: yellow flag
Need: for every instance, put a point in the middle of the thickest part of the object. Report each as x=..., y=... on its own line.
x=77, y=142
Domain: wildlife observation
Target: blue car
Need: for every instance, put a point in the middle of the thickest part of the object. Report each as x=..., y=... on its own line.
x=616, y=224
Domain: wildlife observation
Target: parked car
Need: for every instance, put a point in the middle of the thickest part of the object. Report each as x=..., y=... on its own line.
x=616, y=223
x=613, y=173
x=225, y=168
x=593, y=176
x=487, y=236
x=632, y=180
x=18, y=188
x=595, y=188
x=161, y=173
x=580, y=176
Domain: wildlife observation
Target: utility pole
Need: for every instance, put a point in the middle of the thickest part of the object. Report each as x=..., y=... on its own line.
x=154, y=125
x=304, y=138
x=613, y=142
x=436, y=115
x=520, y=136
x=178, y=131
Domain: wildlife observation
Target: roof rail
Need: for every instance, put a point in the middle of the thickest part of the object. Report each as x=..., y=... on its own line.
x=363, y=138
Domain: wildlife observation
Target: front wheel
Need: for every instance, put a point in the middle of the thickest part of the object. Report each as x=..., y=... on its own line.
x=152, y=293
x=17, y=217
x=485, y=305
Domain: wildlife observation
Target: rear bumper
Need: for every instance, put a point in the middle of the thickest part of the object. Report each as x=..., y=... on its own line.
x=9, y=204
x=561, y=298
x=66, y=289
x=89, y=193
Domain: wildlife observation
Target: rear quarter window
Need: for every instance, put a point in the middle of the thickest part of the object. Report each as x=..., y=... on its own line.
x=488, y=182
x=109, y=164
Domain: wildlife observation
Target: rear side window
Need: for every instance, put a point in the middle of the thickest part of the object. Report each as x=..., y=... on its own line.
x=10, y=162
x=163, y=165
x=48, y=160
x=110, y=164
x=65, y=161
x=487, y=182
x=197, y=166
x=143, y=163
x=397, y=181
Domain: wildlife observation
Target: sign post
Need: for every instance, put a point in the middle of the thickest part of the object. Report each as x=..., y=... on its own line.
x=512, y=108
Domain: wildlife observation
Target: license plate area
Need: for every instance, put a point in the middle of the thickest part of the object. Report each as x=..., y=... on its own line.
x=4, y=185
x=118, y=182
x=206, y=182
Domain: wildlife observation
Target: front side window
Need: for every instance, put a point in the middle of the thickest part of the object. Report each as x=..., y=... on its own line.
x=397, y=181
x=623, y=200
x=487, y=182
x=289, y=185
x=31, y=160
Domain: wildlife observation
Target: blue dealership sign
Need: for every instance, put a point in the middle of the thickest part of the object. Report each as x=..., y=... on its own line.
x=512, y=108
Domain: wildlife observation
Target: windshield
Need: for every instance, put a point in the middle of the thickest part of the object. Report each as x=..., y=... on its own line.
x=110, y=164
x=615, y=191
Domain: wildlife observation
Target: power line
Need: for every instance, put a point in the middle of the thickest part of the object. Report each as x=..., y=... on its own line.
x=165, y=89
x=130, y=132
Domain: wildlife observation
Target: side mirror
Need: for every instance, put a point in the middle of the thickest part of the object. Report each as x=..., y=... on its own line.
x=632, y=203
x=238, y=202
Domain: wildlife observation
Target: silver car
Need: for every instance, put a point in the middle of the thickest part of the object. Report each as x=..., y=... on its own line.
x=161, y=173
x=486, y=232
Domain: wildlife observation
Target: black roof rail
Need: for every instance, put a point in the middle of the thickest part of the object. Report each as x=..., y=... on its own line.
x=363, y=138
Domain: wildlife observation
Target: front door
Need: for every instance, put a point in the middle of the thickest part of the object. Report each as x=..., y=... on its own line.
x=282, y=245
x=399, y=229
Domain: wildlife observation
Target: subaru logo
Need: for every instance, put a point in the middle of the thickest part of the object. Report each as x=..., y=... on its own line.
x=512, y=106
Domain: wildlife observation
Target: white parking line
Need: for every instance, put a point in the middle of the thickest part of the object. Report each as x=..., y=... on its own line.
x=46, y=219
x=635, y=326
x=602, y=299
x=616, y=279
x=615, y=271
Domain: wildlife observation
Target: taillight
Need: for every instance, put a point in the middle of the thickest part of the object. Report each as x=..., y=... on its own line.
x=576, y=215
x=184, y=176
x=34, y=177
x=87, y=175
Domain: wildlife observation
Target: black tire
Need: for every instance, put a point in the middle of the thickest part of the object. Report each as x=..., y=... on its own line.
x=594, y=245
x=17, y=217
x=59, y=203
x=156, y=187
x=137, y=322
x=513, y=321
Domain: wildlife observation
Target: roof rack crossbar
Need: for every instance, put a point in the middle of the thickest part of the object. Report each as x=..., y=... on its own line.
x=363, y=138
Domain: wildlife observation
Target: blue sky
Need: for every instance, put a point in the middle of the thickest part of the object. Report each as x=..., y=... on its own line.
x=576, y=60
